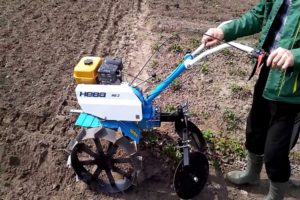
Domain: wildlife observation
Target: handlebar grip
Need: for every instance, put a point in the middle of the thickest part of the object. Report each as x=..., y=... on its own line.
x=198, y=50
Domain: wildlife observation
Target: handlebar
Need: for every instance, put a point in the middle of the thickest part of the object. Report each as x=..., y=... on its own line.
x=253, y=52
x=196, y=58
x=191, y=59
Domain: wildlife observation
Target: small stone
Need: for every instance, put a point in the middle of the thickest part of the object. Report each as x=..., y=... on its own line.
x=243, y=192
x=36, y=16
x=55, y=187
x=8, y=119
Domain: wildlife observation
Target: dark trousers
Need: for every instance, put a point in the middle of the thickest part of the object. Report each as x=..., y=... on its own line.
x=269, y=131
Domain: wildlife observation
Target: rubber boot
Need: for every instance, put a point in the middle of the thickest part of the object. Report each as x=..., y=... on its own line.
x=251, y=174
x=276, y=191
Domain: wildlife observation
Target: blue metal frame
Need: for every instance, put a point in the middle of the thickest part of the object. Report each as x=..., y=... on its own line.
x=163, y=85
x=132, y=129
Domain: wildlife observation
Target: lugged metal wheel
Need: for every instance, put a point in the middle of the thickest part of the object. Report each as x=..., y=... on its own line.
x=107, y=162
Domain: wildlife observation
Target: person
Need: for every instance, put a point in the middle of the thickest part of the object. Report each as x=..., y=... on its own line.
x=276, y=97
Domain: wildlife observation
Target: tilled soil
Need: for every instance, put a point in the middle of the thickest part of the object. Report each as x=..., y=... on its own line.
x=41, y=42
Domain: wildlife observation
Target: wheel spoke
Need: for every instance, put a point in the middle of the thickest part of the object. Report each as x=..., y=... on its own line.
x=110, y=145
x=112, y=149
x=87, y=162
x=122, y=160
x=120, y=171
x=87, y=150
x=110, y=178
x=98, y=146
x=97, y=172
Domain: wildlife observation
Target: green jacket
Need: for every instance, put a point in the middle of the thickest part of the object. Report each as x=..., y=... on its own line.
x=281, y=86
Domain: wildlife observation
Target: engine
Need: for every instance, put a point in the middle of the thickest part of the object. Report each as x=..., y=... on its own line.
x=96, y=70
x=101, y=93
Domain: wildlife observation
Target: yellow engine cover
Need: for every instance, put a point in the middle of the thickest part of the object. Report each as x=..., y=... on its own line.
x=86, y=70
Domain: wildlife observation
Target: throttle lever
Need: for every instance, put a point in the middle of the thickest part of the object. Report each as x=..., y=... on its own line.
x=260, y=55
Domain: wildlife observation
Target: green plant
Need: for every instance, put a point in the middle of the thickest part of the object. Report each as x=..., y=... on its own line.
x=155, y=47
x=204, y=68
x=154, y=64
x=230, y=119
x=193, y=43
x=295, y=155
x=176, y=84
x=172, y=152
x=242, y=73
x=240, y=91
x=230, y=62
x=205, y=114
x=150, y=137
x=236, y=147
x=169, y=108
x=223, y=148
x=176, y=48
x=230, y=146
x=227, y=52
x=193, y=113
x=237, y=72
x=156, y=79
x=208, y=135
x=216, y=162
x=235, y=88
x=3, y=21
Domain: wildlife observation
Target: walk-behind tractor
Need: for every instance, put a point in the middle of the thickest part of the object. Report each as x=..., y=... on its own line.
x=113, y=116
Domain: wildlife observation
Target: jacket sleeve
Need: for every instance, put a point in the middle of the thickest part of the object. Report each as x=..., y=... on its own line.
x=296, y=54
x=249, y=23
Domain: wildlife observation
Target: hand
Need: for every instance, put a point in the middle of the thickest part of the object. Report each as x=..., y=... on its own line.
x=281, y=58
x=215, y=32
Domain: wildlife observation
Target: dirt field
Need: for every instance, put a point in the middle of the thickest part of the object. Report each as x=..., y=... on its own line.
x=41, y=42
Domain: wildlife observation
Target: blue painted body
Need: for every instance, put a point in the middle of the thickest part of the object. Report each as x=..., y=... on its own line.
x=133, y=129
